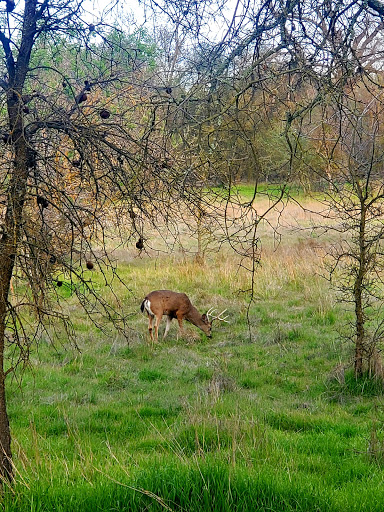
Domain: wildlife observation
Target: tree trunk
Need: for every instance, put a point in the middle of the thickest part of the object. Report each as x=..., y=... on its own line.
x=8, y=249
x=16, y=193
x=359, y=345
x=358, y=295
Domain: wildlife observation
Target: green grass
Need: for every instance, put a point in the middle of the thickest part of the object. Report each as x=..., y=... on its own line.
x=273, y=191
x=266, y=419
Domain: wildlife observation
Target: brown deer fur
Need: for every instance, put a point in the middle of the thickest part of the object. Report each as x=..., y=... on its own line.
x=174, y=305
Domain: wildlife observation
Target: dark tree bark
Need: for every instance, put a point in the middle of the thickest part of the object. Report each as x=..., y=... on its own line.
x=17, y=71
x=358, y=294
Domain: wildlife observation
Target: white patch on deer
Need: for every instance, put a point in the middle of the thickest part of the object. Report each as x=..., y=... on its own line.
x=147, y=306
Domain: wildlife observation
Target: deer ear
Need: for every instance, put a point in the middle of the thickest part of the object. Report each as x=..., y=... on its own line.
x=204, y=318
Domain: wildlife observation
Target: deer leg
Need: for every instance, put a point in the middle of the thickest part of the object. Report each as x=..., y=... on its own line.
x=150, y=318
x=180, y=320
x=169, y=320
x=157, y=323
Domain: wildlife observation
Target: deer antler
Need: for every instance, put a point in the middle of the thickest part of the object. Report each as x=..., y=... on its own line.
x=209, y=312
x=217, y=317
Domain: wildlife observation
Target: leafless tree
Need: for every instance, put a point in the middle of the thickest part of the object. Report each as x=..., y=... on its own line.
x=64, y=155
x=352, y=149
x=84, y=155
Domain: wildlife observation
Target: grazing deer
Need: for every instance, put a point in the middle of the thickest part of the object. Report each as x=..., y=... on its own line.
x=176, y=305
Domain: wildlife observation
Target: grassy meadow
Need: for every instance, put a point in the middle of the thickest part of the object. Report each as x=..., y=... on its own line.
x=265, y=416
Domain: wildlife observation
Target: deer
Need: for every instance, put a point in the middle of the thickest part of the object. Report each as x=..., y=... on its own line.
x=176, y=305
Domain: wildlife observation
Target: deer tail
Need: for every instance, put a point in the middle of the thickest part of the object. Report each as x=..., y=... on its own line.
x=146, y=306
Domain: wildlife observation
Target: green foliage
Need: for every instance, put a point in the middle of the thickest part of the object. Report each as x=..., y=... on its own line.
x=364, y=385
x=237, y=422
x=150, y=375
x=75, y=63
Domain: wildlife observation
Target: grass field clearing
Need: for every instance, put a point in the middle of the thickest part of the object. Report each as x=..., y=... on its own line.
x=266, y=418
